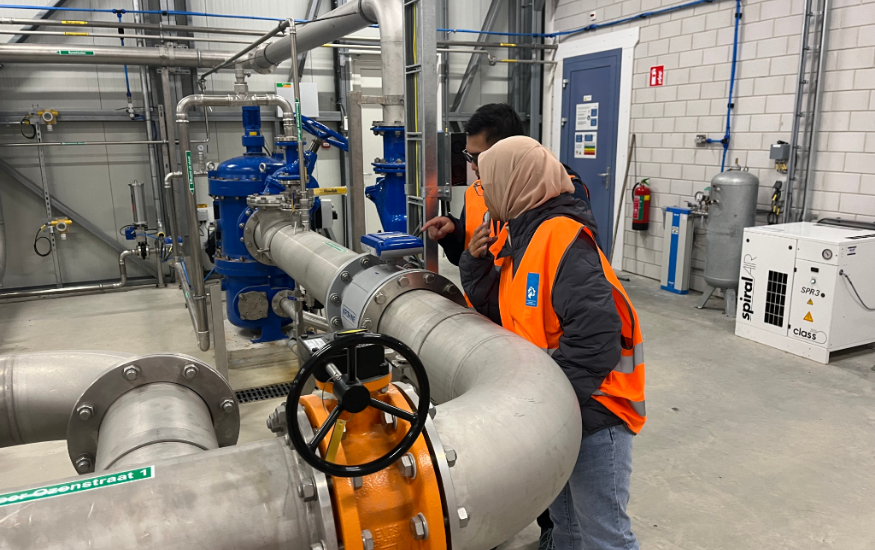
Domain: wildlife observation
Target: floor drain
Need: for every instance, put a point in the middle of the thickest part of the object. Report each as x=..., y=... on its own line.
x=272, y=391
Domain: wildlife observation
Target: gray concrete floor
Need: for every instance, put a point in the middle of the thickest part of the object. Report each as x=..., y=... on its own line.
x=745, y=446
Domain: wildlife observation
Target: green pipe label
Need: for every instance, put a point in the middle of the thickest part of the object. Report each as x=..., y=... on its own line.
x=75, y=52
x=77, y=486
x=336, y=246
x=190, y=171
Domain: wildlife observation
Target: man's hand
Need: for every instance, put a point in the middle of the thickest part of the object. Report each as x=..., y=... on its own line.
x=481, y=241
x=439, y=227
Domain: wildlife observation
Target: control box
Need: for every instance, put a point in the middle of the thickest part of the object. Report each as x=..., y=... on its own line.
x=807, y=288
x=391, y=245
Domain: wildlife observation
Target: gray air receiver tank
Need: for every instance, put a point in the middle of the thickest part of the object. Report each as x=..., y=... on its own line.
x=733, y=204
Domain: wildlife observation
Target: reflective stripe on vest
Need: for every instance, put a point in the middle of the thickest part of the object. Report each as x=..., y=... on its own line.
x=627, y=363
x=525, y=302
x=637, y=406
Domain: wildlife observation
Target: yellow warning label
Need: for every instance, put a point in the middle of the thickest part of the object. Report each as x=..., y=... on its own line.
x=72, y=22
x=808, y=317
x=810, y=303
x=253, y=133
x=329, y=191
x=76, y=34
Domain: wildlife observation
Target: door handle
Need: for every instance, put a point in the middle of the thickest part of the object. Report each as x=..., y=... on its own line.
x=607, y=176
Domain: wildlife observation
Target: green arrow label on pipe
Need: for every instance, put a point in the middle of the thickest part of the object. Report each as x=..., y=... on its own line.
x=75, y=52
x=77, y=486
x=189, y=171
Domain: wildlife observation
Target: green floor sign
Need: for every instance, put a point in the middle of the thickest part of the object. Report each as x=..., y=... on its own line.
x=77, y=486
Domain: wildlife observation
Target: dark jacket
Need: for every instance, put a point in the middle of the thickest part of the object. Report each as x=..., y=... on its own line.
x=582, y=298
x=454, y=243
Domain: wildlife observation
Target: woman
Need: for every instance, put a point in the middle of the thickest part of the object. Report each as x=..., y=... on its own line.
x=557, y=290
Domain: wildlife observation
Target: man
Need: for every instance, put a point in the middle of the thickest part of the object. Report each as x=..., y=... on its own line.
x=488, y=125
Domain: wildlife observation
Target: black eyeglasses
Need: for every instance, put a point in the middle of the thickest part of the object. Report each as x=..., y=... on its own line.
x=471, y=157
x=478, y=188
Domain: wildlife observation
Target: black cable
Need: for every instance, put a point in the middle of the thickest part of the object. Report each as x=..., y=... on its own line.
x=268, y=151
x=21, y=124
x=862, y=303
x=37, y=239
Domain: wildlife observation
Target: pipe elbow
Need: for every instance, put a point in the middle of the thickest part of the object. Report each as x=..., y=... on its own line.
x=186, y=104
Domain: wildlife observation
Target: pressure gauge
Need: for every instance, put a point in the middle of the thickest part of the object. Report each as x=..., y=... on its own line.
x=827, y=254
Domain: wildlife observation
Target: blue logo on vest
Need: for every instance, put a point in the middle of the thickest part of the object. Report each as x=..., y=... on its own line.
x=533, y=282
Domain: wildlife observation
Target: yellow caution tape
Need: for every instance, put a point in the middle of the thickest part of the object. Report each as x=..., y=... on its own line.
x=508, y=60
x=77, y=34
x=73, y=23
x=319, y=191
x=507, y=44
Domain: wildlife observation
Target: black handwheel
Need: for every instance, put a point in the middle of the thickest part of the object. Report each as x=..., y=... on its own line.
x=353, y=397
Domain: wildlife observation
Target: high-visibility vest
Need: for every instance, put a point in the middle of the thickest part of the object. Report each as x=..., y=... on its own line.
x=525, y=300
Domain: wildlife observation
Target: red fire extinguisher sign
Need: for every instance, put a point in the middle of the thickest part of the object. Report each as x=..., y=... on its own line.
x=657, y=75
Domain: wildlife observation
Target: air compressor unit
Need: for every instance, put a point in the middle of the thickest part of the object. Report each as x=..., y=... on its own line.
x=807, y=288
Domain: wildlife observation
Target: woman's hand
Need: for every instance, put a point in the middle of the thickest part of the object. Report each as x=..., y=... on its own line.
x=481, y=241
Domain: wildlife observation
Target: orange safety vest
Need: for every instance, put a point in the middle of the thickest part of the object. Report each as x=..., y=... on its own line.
x=526, y=307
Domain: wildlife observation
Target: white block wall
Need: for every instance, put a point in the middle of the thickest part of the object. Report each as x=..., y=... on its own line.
x=695, y=46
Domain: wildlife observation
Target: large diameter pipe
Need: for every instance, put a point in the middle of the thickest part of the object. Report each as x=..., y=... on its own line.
x=38, y=392
x=161, y=56
x=154, y=422
x=236, y=497
x=503, y=400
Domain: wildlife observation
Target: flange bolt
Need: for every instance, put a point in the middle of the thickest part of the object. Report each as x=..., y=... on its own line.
x=84, y=464
x=407, y=466
x=131, y=372
x=419, y=527
x=463, y=517
x=85, y=412
x=335, y=299
x=451, y=456
x=190, y=371
x=367, y=540
x=307, y=490
x=227, y=405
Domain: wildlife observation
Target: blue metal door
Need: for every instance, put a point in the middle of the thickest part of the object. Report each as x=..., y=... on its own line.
x=590, y=108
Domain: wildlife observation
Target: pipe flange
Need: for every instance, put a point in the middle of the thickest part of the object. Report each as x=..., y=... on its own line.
x=319, y=510
x=439, y=459
x=264, y=213
x=401, y=283
x=278, y=298
x=342, y=278
x=84, y=425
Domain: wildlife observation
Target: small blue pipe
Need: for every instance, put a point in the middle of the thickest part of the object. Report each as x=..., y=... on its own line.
x=726, y=137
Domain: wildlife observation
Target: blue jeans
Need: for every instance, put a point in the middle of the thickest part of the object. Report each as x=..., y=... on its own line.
x=590, y=512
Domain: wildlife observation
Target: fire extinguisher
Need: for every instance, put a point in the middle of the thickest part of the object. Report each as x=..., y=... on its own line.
x=641, y=206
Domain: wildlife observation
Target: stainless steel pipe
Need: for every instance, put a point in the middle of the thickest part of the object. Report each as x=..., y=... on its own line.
x=503, y=400
x=76, y=289
x=77, y=143
x=154, y=422
x=38, y=392
x=345, y=20
x=235, y=497
x=161, y=56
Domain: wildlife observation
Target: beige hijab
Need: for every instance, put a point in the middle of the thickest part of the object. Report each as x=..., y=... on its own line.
x=518, y=174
